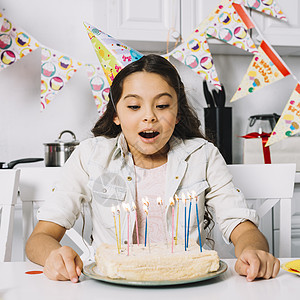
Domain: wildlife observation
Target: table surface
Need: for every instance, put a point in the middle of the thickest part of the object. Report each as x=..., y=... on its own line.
x=16, y=284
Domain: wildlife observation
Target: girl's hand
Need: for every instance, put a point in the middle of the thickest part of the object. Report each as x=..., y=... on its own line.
x=63, y=264
x=257, y=264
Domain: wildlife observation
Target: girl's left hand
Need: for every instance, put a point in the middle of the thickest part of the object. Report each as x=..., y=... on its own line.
x=257, y=264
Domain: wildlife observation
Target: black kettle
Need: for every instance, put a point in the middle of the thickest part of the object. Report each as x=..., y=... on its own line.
x=262, y=123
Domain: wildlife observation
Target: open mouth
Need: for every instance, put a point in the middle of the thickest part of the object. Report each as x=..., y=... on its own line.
x=149, y=134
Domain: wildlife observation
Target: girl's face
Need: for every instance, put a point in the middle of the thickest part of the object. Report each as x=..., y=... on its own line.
x=147, y=114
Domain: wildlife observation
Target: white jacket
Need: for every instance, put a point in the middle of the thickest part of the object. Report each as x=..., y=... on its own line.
x=101, y=172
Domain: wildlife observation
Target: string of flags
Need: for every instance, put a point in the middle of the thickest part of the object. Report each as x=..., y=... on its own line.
x=228, y=22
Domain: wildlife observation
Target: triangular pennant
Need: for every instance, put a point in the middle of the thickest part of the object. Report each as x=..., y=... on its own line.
x=269, y=7
x=225, y=24
x=56, y=70
x=1, y=20
x=112, y=54
x=99, y=86
x=289, y=122
x=15, y=43
x=265, y=68
x=196, y=55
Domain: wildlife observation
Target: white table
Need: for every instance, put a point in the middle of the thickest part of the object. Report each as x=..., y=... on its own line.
x=16, y=285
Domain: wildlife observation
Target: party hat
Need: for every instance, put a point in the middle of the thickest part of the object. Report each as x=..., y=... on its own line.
x=112, y=54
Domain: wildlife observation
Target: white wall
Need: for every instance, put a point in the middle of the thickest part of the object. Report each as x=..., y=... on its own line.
x=59, y=25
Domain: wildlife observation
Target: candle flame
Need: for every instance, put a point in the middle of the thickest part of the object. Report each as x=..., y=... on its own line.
x=189, y=196
x=183, y=198
x=126, y=206
x=113, y=210
x=145, y=209
x=172, y=201
x=194, y=195
x=176, y=197
x=118, y=209
x=145, y=201
x=133, y=206
x=159, y=201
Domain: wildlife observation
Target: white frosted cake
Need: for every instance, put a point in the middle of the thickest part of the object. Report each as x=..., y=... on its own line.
x=156, y=264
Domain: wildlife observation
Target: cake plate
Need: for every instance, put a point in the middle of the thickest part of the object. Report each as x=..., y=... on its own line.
x=92, y=271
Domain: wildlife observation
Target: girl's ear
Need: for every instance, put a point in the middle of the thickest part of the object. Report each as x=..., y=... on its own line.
x=116, y=120
x=177, y=120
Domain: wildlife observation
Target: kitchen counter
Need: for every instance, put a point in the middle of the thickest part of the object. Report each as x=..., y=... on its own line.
x=16, y=284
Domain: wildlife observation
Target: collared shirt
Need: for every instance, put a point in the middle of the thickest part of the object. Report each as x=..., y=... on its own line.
x=101, y=172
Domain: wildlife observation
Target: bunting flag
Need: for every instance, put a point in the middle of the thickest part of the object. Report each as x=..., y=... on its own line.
x=1, y=20
x=14, y=43
x=269, y=7
x=265, y=68
x=289, y=122
x=112, y=54
x=56, y=70
x=196, y=55
x=230, y=24
x=99, y=86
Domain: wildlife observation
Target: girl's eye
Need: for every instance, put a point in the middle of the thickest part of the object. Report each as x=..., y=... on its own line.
x=133, y=107
x=162, y=106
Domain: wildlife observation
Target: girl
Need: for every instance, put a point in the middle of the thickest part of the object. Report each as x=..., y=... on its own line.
x=147, y=144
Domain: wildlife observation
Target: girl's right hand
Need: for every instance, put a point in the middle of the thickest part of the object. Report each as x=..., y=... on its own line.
x=63, y=264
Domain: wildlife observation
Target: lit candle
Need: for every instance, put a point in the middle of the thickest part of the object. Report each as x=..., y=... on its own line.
x=119, y=213
x=184, y=199
x=146, y=212
x=146, y=206
x=197, y=213
x=172, y=203
x=177, y=212
x=189, y=219
x=136, y=224
x=160, y=203
x=113, y=210
x=126, y=206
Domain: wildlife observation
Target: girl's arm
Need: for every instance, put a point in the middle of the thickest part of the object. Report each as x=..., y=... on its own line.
x=251, y=250
x=43, y=248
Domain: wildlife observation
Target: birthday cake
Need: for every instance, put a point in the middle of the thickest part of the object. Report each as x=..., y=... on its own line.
x=156, y=263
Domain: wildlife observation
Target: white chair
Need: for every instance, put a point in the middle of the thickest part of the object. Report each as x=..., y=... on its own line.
x=269, y=184
x=9, y=180
x=36, y=185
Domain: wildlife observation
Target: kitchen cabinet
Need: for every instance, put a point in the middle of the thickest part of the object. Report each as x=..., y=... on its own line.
x=143, y=21
x=276, y=32
x=158, y=21
x=193, y=12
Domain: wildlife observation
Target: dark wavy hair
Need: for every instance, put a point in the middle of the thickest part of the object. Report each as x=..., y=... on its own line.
x=188, y=125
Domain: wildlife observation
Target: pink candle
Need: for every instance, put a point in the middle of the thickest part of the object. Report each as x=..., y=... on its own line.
x=172, y=203
x=127, y=208
x=128, y=216
x=136, y=224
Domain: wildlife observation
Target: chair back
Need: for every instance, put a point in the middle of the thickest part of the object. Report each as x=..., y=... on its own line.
x=36, y=185
x=260, y=181
x=265, y=185
x=9, y=180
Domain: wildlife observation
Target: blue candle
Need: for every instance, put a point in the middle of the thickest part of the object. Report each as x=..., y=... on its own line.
x=146, y=232
x=199, y=234
x=188, y=229
x=183, y=198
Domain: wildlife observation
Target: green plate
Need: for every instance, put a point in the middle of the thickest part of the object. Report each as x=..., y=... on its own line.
x=91, y=271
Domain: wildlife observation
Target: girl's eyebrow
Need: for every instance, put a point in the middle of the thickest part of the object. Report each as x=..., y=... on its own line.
x=131, y=96
x=163, y=94
x=156, y=97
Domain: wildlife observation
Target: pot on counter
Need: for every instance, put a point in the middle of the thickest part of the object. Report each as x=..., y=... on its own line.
x=56, y=153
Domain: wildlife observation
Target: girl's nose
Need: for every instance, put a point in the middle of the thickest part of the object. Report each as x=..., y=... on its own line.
x=150, y=116
x=149, y=119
